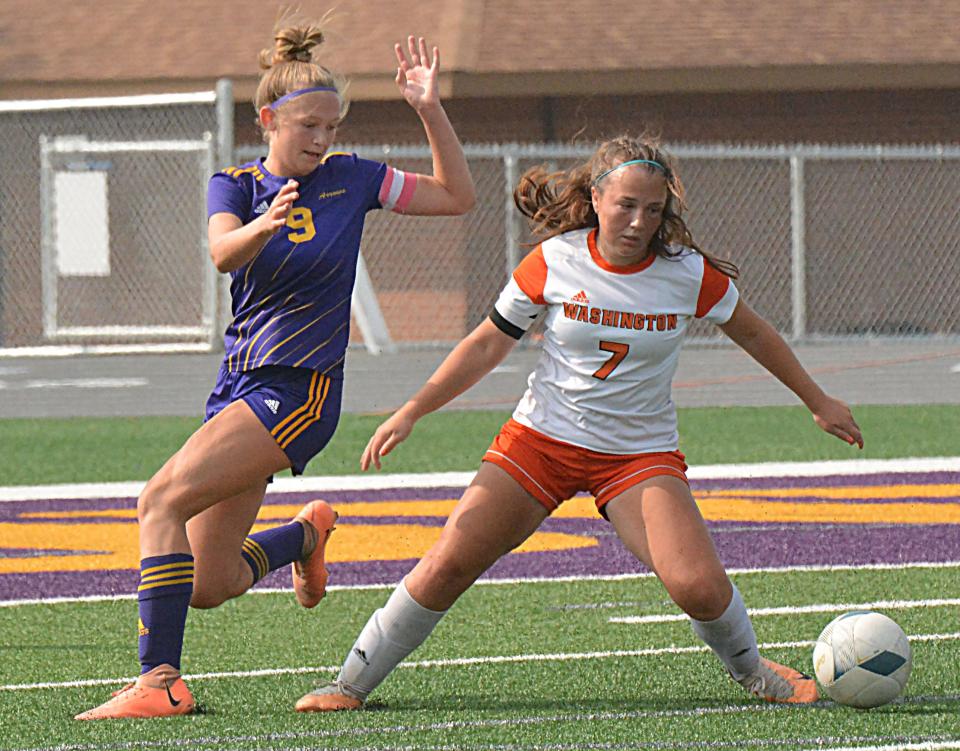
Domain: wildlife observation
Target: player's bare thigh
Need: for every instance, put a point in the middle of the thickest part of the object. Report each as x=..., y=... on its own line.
x=659, y=522
x=227, y=456
x=493, y=517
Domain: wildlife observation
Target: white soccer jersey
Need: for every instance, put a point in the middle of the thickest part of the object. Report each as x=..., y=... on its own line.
x=612, y=340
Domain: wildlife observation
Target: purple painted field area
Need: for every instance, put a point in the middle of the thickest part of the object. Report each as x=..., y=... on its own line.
x=741, y=544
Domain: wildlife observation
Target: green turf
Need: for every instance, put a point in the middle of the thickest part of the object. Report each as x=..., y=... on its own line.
x=87, y=450
x=601, y=699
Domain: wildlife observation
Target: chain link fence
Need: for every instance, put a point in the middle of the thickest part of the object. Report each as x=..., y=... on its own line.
x=103, y=239
x=102, y=222
x=832, y=243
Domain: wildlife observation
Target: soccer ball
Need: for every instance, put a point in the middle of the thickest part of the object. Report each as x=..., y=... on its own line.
x=862, y=659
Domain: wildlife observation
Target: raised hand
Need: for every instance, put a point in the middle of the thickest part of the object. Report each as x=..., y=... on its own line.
x=417, y=73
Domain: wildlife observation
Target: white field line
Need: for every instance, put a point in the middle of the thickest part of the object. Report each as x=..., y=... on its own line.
x=78, y=383
x=223, y=741
x=795, y=609
x=924, y=746
x=280, y=485
x=462, y=479
x=283, y=739
x=456, y=662
x=531, y=580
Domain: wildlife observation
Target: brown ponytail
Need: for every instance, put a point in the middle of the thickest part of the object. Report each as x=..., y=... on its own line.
x=558, y=202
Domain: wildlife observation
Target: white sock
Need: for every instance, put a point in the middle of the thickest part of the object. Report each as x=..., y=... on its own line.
x=732, y=638
x=392, y=632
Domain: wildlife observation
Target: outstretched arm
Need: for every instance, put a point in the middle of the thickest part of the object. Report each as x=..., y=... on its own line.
x=762, y=342
x=476, y=355
x=449, y=190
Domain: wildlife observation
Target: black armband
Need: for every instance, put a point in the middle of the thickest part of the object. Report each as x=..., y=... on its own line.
x=505, y=326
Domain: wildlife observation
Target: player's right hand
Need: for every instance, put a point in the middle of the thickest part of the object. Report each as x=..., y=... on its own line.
x=390, y=433
x=276, y=216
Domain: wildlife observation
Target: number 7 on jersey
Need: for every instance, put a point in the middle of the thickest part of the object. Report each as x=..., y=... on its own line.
x=619, y=352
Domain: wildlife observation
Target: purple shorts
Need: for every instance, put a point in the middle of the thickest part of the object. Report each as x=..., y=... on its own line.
x=299, y=407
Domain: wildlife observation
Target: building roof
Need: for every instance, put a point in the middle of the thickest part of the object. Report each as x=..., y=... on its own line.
x=490, y=47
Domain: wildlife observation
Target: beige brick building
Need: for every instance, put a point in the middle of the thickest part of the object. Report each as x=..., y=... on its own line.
x=756, y=71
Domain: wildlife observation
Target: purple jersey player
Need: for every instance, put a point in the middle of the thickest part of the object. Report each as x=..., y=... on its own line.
x=287, y=228
x=291, y=302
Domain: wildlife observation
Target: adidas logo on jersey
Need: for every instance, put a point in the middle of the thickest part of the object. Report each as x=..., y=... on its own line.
x=272, y=404
x=261, y=208
x=581, y=297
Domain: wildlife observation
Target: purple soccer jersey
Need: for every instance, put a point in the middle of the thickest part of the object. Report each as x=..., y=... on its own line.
x=291, y=302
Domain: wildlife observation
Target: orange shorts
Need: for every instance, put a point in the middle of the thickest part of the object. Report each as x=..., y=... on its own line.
x=553, y=471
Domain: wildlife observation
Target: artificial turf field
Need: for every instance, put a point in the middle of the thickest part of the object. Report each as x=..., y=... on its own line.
x=523, y=665
x=564, y=650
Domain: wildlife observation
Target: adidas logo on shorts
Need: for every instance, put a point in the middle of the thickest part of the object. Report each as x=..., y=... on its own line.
x=261, y=208
x=272, y=404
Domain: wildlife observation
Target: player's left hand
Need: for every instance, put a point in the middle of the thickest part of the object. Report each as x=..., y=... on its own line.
x=417, y=73
x=393, y=431
x=835, y=417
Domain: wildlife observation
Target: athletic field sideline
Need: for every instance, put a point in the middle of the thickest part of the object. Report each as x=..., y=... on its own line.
x=566, y=644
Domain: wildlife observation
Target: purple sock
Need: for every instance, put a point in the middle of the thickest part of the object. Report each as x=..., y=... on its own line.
x=273, y=548
x=166, y=583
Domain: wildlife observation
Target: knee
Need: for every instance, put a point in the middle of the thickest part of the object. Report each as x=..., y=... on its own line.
x=164, y=496
x=447, y=573
x=701, y=595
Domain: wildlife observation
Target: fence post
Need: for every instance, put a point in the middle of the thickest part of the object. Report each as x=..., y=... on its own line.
x=798, y=248
x=48, y=265
x=225, y=143
x=511, y=224
x=224, y=123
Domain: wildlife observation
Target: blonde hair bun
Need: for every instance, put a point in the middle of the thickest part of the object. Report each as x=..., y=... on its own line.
x=292, y=44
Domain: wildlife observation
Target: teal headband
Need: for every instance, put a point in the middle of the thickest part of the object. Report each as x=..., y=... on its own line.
x=301, y=92
x=627, y=164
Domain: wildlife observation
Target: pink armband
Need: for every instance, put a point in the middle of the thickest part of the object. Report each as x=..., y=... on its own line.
x=397, y=189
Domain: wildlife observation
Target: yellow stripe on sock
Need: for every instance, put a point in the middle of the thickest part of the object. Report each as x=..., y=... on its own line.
x=259, y=556
x=185, y=580
x=167, y=575
x=166, y=567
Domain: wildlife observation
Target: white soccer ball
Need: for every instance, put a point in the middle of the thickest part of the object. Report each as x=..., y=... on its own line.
x=862, y=659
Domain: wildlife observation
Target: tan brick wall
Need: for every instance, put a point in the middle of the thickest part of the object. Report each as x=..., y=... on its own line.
x=906, y=117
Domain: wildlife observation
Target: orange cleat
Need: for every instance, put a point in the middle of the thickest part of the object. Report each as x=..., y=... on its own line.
x=310, y=574
x=779, y=683
x=329, y=698
x=158, y=693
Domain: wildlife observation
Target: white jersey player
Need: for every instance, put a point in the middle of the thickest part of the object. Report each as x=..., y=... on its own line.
x=620, y=279
x=611, y=341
